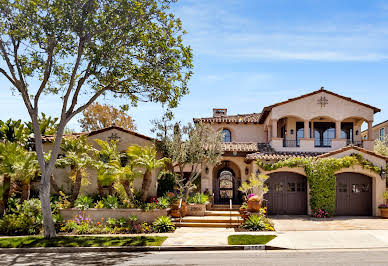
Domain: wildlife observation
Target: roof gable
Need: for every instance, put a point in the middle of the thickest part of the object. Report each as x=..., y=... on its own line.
x=268, y=109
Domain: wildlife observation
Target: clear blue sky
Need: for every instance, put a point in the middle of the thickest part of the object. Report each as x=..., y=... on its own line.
x=249, y=54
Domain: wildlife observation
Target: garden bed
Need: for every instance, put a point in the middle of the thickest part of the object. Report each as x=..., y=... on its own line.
x=104, y=214
x=81, y=241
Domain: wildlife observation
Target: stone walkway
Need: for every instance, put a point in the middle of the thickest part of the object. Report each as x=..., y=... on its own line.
x=306, y=223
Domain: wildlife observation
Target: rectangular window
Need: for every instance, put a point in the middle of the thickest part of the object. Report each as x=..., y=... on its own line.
x=382, y=133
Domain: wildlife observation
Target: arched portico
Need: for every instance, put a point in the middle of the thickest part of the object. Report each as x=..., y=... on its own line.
x=226, y=181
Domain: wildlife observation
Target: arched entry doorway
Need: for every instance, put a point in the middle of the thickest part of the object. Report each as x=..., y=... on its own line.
x=287, y=193
x=226, y=182
x=354, y=194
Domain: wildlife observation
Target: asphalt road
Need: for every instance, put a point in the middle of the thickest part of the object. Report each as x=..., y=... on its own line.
x=315, y=257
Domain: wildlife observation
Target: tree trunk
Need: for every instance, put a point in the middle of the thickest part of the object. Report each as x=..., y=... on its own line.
x=147, y=179
x=6, y=190
x=100, y=191
x=44, y=195
x=128, y=190
x=25, y=191
x=77, y=186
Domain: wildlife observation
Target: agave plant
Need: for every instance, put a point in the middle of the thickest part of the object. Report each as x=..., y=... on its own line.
x=163, y=224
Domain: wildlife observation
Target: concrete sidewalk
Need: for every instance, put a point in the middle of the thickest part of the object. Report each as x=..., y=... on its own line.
x=331, y=239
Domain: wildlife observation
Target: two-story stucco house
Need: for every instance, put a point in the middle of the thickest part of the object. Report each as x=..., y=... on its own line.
x=379, y=131
x=319, y=124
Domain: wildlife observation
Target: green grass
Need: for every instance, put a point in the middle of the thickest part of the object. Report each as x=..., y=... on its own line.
x=249, y=239
x=80, y=241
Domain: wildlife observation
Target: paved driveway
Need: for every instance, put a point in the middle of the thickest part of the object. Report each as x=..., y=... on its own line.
x=306, y=223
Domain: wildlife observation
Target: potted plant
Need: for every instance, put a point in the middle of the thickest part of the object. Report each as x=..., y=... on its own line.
x=197, y=204
x=384, y=207
x=254, y=190
x=177, y=212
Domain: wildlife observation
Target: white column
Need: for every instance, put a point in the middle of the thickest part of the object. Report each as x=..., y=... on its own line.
x=337, y=129
x=306, y=129
x=370, y=126
x=274, y=128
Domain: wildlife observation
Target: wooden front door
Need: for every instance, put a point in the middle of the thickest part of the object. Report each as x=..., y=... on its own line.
x=354, y=194
x=287, y=193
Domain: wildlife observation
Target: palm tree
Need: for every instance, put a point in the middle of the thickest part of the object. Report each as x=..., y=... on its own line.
x=77, y=156
x=16, y=165
x=146, y=158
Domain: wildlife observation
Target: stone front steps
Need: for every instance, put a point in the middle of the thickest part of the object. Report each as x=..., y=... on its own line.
x=224, y=208
x=220, y=219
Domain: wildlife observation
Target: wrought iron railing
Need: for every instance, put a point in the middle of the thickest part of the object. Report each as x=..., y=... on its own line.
x=290, y=143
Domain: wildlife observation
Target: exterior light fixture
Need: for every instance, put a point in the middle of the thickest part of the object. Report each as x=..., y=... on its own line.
x=356, y=132
x=207, y=170
x=292, y=132
x=246, y=170
x=234, y=153
x=382, y=173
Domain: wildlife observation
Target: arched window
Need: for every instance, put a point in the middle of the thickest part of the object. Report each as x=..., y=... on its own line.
x=227, y=135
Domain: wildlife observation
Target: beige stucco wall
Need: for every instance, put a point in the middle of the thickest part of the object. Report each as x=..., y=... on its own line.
x=61, y=176
x=307, y=108
x=244, y=132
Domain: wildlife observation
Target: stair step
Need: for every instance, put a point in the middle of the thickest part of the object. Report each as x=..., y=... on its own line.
x=222, y=209
x=219, y=225
x=222, y=213
x=210, y=219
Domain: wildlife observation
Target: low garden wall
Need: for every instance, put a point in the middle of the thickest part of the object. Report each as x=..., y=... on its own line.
x=196, y=209
x=97, y=214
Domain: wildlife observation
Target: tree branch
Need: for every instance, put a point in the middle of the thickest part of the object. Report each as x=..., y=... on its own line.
x=7, y=60
x=47, y=72
x=17, y=63
x=7, y=76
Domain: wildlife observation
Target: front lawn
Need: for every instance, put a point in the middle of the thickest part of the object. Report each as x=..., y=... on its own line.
x=81, y=241
x=249, y=239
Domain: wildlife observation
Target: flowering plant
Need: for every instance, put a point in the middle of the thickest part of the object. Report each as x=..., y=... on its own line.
x=383, y=206
x=320, y=213
x=251, y=195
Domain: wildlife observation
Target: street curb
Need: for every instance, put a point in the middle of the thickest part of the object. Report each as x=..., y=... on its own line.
x=133, y=249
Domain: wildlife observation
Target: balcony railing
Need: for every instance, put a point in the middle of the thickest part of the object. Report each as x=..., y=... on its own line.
x=322, y=143
x=354, y=142
x=290, y=143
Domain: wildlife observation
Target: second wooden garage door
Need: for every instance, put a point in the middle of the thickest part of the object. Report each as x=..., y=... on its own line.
x=287, y=193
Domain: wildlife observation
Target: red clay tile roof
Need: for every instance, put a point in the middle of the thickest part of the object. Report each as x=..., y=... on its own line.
x=239, y=118
x=50, y=138
x=280, y=155
x=351, y=147
x=240, y=146
x=267, y=110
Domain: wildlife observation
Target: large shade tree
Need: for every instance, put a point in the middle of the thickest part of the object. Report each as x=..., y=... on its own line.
x=98, y=116
x=132, y=49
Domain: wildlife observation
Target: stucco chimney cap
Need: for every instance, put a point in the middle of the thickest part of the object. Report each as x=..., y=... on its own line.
x=219, y=112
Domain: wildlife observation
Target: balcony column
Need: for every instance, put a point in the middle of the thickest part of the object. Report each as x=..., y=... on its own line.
x=269, y=133
x=306, y=129
x=274, y=128
x=370, y=126
x=338, y=129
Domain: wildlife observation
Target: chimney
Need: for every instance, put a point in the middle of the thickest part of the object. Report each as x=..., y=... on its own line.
x=219, y=112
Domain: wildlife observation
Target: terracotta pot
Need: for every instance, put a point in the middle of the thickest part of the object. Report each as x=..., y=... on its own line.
x=384, y=213
x=175, y=212
x=254, y=204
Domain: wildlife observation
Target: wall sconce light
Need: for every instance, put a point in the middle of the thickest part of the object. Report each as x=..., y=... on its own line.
x=246, y=170
x=292, y=132
x=234, y=153
x=207, y=170
x=383, y=173
x=356, y=132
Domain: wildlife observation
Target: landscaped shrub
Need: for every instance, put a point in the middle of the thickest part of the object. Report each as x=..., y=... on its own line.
x=258, y=223
x=110, y=202
x=83, y=202
x=198, y=198
x=165, y=184
x=163, y=202
x=22, y=219
x=163, y=224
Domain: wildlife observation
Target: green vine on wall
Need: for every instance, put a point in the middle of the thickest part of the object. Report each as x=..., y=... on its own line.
x=321, y=177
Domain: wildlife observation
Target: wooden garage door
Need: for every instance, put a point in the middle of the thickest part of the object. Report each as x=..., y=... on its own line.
x=354, y=194
x=287, y=193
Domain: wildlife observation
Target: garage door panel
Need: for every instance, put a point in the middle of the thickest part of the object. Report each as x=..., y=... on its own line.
x=287, y=193
x=354, y=194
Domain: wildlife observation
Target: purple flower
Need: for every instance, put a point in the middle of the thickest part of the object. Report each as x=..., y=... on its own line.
x=250, y=195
